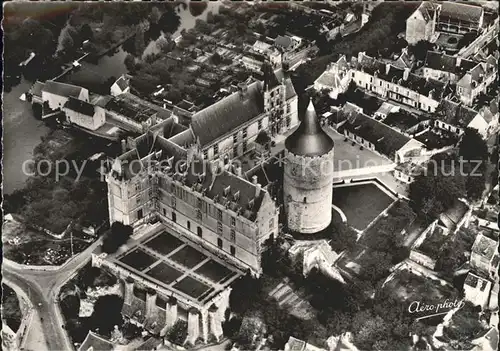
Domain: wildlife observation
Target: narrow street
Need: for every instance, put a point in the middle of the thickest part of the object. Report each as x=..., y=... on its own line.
x=42, y=288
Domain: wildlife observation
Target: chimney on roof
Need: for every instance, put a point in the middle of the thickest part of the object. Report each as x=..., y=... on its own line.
x=124, y=146
x=406, y=74
x=238, y=171
x=258, y=187
x=459, y=61
x=360, y=56
x=431, y=93
x=242, y=89
x=387, y=68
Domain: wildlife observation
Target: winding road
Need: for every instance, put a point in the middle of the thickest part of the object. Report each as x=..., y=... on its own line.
x=42, y=288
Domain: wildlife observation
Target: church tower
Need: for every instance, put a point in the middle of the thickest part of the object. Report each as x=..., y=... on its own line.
x=308, y=176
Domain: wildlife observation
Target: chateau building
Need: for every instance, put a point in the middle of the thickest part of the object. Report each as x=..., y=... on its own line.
x=156, y=179
x=228, y=128
x=183, y=176
x=210, y=222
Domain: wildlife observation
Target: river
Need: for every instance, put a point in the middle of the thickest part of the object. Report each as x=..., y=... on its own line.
x=22, y=131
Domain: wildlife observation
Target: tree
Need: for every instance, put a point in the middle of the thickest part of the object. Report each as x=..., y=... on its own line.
x=216, y=59
x=11, y=310
x=129, y=63
x=86, y=32
x=139, y=43
x=197, y=8
x=244, y=293
x=107, y=313
x=472, y=147
x=376, y=265
x=465, y=325
x=145, y=83
x=343, y=237
x=67, y=42
x=177, y=334
x=155, y=15
x=169, y=20
x=116, y=237
x=165, y=45
x=174, y=95
x=70, y=306
x=241, y=28
x=419, y=50
x=436, y=190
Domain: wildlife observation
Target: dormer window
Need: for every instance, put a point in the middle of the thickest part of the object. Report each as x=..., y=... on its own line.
x=171, y=161
x=237, y=195
x=251, y=204
x=227, y=190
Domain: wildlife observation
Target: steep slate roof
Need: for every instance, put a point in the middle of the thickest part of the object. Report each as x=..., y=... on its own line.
x=36, y=88
x=62, y=89
x=212, y=184
x=386, y=140
x=452, y=216
x=283, y=41
x=184, y=138
x=96, y=342
x=484, y=246
x=329, y=78
x=442, y=62
x=385, y=108
x=289, y=89
x=393, y=74
x=227, y=114
x=460, y=11
x=309, y=139
x=122, y=82
x=427, y=10
x=79, y=106
x=171, y=128
x=455, y=113
x=404, y=61
x=296, y=344
x=270, y=79
x=472, y=280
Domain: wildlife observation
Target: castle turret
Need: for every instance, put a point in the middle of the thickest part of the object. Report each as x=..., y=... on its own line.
x=308, y=176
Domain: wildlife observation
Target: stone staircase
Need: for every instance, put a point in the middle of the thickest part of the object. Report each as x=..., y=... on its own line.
x=292, y=300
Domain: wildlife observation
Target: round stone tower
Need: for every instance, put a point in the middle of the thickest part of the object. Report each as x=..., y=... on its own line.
x=308, y=176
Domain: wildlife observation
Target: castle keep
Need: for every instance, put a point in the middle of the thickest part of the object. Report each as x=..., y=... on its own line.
x=308, y=176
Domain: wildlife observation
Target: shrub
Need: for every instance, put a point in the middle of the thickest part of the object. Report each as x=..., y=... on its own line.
x=177, y=334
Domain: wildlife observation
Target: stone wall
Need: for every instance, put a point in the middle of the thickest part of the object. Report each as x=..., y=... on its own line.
x=308, y=192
